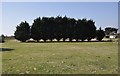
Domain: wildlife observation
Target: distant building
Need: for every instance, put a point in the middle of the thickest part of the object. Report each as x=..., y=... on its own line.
x=113, y=36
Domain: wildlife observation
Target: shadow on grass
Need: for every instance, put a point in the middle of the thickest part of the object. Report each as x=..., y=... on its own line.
x=5, y=49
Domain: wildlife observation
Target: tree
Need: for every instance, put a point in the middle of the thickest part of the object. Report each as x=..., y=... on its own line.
x=85, y=29
x=44, y=28
x=91, y=30
x=100, y=34
x=81, y=29
x=110, y=30
x=36, y=32
x=51, y=28
x=22, y=32
x=2, y=38
x=77, y=32
x=65, y=28
x=71, y=28
x=58, y=28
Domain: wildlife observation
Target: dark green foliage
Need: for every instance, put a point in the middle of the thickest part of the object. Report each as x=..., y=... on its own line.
x=91, y=30
x=22, y=32
x=110, y=30
x=2, y=38
x=58, y=28
x=100, y=34
x=71, y=28
x=50, y=28
x=85, y=29
x=36, y=32
x=64, y=28
x=45, y=28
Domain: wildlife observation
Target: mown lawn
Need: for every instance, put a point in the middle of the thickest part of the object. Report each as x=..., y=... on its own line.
x=60, y=58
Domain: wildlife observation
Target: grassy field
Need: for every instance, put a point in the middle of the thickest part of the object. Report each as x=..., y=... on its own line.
x=60, y=58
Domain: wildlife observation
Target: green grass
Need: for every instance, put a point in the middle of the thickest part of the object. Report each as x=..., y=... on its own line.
x=60, y=58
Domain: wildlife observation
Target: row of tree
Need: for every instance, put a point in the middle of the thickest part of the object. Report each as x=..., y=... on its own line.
x=50, y=28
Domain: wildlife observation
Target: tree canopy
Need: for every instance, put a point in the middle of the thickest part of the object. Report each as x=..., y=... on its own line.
x=100, y=34
x=22, y=32
x=50, y=28
x=110, y=30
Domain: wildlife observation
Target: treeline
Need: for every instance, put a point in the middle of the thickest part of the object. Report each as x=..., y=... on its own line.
x=50, y=28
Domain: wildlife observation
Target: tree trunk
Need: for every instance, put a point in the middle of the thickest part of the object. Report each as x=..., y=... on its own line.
x=70, y=39
x=82, y=40
x=58, y=40
x=37, y=40
x=23, y=40
x=44, y=40
x=76, y=40
x=51, y=40
x=63, y=39
x=89, y=39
